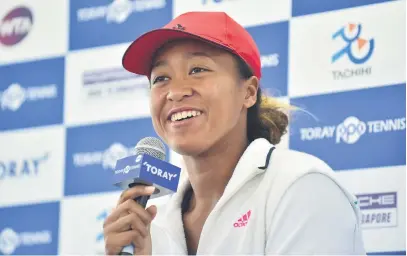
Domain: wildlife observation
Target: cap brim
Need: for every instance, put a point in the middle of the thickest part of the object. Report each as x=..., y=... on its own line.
x=138, y=56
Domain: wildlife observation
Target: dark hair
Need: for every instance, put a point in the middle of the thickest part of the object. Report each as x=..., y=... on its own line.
x=265, y=119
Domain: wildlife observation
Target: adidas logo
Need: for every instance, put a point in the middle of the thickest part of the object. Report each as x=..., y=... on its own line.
x=242, y=222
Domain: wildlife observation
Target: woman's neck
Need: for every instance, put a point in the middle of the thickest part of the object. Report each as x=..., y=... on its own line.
x=210, y=172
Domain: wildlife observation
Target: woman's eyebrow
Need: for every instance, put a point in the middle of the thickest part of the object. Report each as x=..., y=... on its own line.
x=197, y=54
x=159, y=63
x=188, y=55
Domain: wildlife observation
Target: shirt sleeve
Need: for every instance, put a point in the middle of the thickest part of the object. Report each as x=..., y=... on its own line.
x=315, y=217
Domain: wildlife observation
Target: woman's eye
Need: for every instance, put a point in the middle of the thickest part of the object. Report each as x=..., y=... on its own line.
x=197, y=70
x=159, y=79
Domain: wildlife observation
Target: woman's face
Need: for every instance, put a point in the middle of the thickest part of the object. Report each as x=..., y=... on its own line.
x=197, y=97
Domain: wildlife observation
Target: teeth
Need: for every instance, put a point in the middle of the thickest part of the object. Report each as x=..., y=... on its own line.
x=184, y=114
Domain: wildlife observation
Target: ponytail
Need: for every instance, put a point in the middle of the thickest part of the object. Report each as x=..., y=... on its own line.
x=267, y=118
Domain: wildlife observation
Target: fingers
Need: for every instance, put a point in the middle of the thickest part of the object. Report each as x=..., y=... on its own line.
x=115, y=243
x=134, y=192
x=131, y=193
x=131, y=221
x=152, y=210
x=130, y=206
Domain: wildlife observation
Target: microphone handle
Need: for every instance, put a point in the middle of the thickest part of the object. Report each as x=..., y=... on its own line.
x=141, y=200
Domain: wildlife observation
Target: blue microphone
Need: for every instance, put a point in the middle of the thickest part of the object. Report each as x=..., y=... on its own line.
x=146, y=167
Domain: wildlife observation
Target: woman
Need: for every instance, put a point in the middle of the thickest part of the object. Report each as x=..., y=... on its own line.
x=242, y=195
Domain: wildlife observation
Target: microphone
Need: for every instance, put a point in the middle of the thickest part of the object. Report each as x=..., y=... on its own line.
x=147, y=167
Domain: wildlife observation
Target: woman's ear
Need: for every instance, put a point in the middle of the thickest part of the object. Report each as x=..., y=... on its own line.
x=251, y=86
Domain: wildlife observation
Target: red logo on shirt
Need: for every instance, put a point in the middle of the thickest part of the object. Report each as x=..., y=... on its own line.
x=242, y=222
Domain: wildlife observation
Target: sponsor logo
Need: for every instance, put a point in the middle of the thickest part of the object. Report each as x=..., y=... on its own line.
x=242, y=221
x=139, y=157
x=118, y=11
x=350, y=34
x=158, y=172
x=21, y=168
x=112, y=81
x=107, y=158
x=127, y=169
x=352, y=129
x=215, y=1
x=15, y=95
x=357, y=50
x=271, y=60
x=15, y=26
x=378, y=210
x=11, y=240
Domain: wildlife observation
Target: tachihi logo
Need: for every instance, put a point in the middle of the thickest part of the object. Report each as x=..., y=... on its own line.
x=352, y=129
x=357, y=49
x=15, y=26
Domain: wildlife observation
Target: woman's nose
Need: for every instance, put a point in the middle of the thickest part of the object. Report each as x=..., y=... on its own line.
x=179, y=92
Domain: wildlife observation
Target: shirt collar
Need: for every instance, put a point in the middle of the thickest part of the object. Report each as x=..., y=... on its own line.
x=254, y=161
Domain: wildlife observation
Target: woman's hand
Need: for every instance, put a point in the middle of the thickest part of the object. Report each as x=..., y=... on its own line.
x=130, y=223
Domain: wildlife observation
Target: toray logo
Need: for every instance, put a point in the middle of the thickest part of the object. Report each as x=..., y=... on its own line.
x=118, y=11
x=107, y=158
x=158, y=172
x=20, y=168
x=15, y=95
x=14, y=27
x=352, y=129
x=10, y=240
x=357, y=49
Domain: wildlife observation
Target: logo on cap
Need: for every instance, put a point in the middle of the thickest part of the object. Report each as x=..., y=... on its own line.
x=179, y=27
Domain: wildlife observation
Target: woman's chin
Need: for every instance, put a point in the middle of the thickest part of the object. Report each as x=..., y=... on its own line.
x=187, y=147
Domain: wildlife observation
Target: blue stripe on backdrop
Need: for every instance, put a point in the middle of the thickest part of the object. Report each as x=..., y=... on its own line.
x=388, y=253
x=349, y=123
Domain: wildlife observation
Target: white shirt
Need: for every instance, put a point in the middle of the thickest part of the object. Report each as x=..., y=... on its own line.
x=294, y=206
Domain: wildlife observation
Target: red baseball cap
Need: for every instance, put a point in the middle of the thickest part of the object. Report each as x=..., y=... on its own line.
x=216, y=28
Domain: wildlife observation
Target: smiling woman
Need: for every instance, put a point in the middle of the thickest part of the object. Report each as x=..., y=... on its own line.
x=241, y=195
